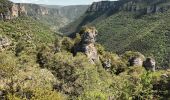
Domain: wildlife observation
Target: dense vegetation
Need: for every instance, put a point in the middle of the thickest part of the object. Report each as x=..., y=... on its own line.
x=39, y=65
x=148, y=34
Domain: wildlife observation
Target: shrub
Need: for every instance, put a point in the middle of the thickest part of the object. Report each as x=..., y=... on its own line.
x=67, y=44
x=36, y=94
x=7, y=64
x=117, y=65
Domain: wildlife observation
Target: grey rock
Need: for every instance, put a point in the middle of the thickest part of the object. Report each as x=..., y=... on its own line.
x=4, y=42
x=135, y=61
x=107, y=63
x=1, y=93
x=150, y=64
x=87, y=44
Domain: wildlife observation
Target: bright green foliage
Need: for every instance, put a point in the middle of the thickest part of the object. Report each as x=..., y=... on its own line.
x=26, y=30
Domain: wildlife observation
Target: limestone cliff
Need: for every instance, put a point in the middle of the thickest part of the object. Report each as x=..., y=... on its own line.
x=17, y=9
x=137, y=6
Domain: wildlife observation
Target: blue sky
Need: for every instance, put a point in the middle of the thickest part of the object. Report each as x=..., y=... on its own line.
x=57, y=2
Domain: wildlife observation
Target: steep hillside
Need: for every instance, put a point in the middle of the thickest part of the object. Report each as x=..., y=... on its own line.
x=137, y=25
x=26, y=27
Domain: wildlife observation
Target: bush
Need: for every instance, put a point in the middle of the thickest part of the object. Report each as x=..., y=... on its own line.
x=93, y=95
x=117, y=65
x=67, y=44
x=134, y=83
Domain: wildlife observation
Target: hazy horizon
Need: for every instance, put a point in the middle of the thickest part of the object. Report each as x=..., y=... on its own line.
x=59, y=2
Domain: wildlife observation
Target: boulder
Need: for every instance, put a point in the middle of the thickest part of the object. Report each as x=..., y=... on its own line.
x=133, y=58
x=107, y=64
x=149, y=64
x=135, y=61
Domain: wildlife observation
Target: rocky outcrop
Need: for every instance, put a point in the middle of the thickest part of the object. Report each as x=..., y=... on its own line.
x=107, y=64
x=149, y=64
x=14, y=10
x=87, y=44
x=138, y=59
x=142, y=8
x=4, y=42
x=135, y=61
x=21, y=10
x=18, y=9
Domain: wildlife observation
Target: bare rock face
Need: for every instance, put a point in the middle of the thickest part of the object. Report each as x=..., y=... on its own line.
x=4, y=42
x=136, y=6
x=22, y=10
x=14, y=10
x=44, y=11
x=87, y=44
x=149, y=64
x=136, y=61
